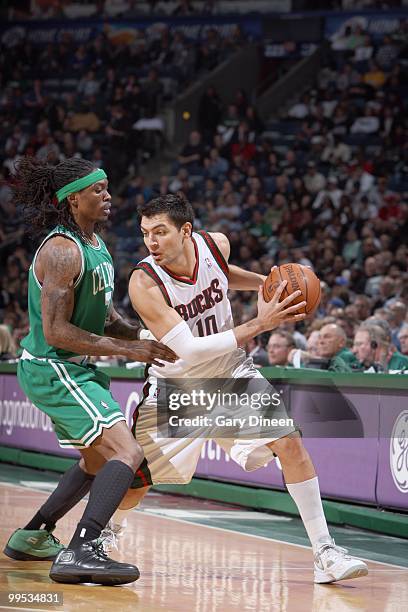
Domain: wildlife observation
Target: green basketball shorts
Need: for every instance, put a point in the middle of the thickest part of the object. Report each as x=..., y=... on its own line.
x=76, y=398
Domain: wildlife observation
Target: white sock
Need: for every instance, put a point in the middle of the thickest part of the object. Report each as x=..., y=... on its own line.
x=306, y=496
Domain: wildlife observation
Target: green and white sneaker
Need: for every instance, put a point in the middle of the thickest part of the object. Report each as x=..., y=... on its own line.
x=32, y=545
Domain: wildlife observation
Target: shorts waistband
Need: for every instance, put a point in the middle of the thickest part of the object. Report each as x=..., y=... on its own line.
x=79, y=359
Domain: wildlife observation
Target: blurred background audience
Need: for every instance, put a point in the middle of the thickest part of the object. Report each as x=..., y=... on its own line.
x=324, y=184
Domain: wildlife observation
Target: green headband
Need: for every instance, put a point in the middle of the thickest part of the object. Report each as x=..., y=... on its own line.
x=81, y=183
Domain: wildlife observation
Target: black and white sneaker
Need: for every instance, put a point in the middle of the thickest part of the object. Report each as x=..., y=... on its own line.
x=89, y=563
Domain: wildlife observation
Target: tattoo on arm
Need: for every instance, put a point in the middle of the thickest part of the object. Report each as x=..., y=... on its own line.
x=62, y=265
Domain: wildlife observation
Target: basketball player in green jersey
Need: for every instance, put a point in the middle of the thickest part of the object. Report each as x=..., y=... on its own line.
x=71, y=282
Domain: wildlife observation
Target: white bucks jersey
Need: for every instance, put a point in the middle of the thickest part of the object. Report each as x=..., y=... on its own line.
x=201, y=302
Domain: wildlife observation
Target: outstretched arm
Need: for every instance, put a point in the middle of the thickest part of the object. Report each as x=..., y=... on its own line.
x=239, y=278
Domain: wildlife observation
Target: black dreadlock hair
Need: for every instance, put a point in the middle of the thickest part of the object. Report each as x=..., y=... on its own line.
x=176, y=206
x=35, y=186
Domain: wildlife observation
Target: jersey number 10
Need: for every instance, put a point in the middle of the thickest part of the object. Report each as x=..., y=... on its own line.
x=207, y=326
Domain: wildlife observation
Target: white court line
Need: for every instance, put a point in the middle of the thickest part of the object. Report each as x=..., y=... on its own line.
x=249, y=515
x=248, y=535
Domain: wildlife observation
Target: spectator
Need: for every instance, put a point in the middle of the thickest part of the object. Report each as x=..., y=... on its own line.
x=84, y=143
x=332, y=344
x=336, y=151
x=364, y=52
x=209, y=113
x=403, y=338
x=152, y=92
x=117, y=131
x=346, y=78
x=332, y=192
x=387, y=54
x=372, y=347
x=192, y=154
x=375, y=76
x=400, y=311
x=215, y=165
x=330, y=353
x=367, y=124
x=313, y=343
x=229, y=121
x=386, y=292
x=300, y=110
x=314, y=180
x=256, y=350
x=89, y=86
x=372, y=286
x=7, y=344
x=279, y=345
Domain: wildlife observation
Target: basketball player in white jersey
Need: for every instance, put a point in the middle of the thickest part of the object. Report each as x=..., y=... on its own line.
x=180, y=293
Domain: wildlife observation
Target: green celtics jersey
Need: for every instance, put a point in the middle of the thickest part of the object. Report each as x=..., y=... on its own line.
x=93, y=294
x=398, y=361
x=349, y=358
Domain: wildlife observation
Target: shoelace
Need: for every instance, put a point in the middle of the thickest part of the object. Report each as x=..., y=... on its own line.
x=339, y=549
x=109, y=539
x=54, y=539
x=99, y=550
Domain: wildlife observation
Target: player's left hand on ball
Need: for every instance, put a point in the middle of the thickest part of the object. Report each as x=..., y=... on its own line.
x=271, y=314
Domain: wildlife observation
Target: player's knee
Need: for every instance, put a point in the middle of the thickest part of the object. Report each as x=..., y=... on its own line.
x=91, y=465
x=126, y=450
x=87, y=466
x=291, y=450
x=133, y=455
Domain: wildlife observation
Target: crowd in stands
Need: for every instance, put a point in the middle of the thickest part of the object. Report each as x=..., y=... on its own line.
x=325, y=186
x=87, y=100
x=93, y=99
x=56, y=9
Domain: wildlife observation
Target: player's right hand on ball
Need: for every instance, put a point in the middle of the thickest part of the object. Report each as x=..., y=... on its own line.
x=272, y=314
x=149, y=351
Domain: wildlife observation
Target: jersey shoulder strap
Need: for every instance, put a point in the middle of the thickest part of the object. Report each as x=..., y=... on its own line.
x=60, y=230
x=150, y=271
x=215, y=251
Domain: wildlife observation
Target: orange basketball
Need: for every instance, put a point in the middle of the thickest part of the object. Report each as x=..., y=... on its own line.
x=300, y=278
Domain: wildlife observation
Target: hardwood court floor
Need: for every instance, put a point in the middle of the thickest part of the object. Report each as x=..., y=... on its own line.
x=190, y=567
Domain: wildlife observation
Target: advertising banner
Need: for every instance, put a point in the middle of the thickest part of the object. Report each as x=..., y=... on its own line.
x=125, y=32
x=392, y=485
x=22, y=425
x=377, y=25
x=360, y=453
